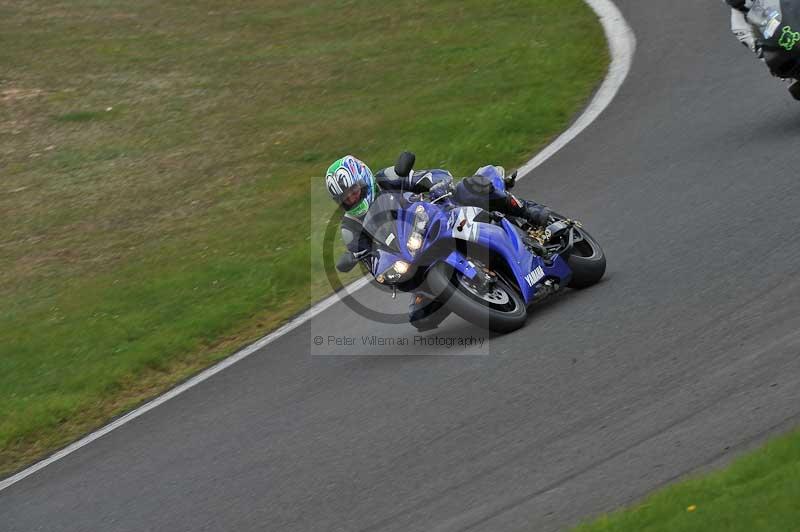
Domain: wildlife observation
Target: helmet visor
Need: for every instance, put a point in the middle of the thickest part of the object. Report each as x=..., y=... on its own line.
x=351, y=197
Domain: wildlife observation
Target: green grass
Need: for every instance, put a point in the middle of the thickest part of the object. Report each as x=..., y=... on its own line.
x=759, y=492
x=160, y=160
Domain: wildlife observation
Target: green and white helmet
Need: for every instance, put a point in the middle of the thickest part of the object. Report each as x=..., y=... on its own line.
x=351, y=185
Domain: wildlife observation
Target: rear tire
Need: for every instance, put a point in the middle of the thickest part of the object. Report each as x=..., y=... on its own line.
x=503, y=311
x=794, y=90
x=587, y=262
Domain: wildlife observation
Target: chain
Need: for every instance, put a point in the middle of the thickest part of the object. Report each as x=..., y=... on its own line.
x=539, y=234
x=543, y=235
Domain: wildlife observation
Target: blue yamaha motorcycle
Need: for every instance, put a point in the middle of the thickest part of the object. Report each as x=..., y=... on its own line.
x=486, y=267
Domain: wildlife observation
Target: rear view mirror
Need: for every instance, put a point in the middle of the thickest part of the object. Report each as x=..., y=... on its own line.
x=405, y=163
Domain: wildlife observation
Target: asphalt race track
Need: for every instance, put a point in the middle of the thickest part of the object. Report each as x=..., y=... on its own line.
x=685, y=355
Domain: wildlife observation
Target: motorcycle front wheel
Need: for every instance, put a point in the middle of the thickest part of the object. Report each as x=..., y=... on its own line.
x=499, y=308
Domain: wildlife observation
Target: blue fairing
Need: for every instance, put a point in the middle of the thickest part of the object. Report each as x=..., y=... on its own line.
x=452, y=223
x=529, y=270
x=506, y=242
x=460, y=263
x=493, y=173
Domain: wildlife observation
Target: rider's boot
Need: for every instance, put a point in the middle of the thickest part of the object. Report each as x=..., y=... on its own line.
x=424, y=313
x=532, y=212
x=536, y=215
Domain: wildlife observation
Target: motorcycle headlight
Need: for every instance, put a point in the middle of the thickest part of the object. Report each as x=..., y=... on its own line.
x=400, y=267
x=414, y=242
x=394, y=273
x=421, y=218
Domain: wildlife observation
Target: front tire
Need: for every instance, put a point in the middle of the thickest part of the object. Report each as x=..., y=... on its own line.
x=502, y=310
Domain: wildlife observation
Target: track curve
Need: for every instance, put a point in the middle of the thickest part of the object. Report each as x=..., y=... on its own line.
x=685, y=354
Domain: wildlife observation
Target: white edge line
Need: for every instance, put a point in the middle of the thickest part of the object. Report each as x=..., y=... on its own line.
x=622, y=44
x=197, y=379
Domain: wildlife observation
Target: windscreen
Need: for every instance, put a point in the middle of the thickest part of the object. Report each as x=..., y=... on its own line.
x=381, y=220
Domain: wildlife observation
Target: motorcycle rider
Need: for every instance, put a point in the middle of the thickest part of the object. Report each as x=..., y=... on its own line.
x=353, y=187
x=740, y=26
x=748, y=34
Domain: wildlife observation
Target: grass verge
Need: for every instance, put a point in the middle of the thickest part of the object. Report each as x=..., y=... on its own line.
x=156, y=162
x=760, y=491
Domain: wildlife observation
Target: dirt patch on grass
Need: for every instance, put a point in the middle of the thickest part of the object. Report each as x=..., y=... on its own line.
x=12, y=95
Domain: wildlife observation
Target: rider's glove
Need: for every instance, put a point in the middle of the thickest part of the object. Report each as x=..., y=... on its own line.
x=440, y=189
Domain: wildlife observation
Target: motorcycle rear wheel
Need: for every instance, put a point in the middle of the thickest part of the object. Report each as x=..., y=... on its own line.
x=794, y=90
x=587, y=261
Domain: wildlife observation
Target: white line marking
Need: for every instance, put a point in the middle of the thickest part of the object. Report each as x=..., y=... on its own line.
x=197, y=379
x=622, y=44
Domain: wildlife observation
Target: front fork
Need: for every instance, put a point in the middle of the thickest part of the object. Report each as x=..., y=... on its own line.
x=482, y=277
